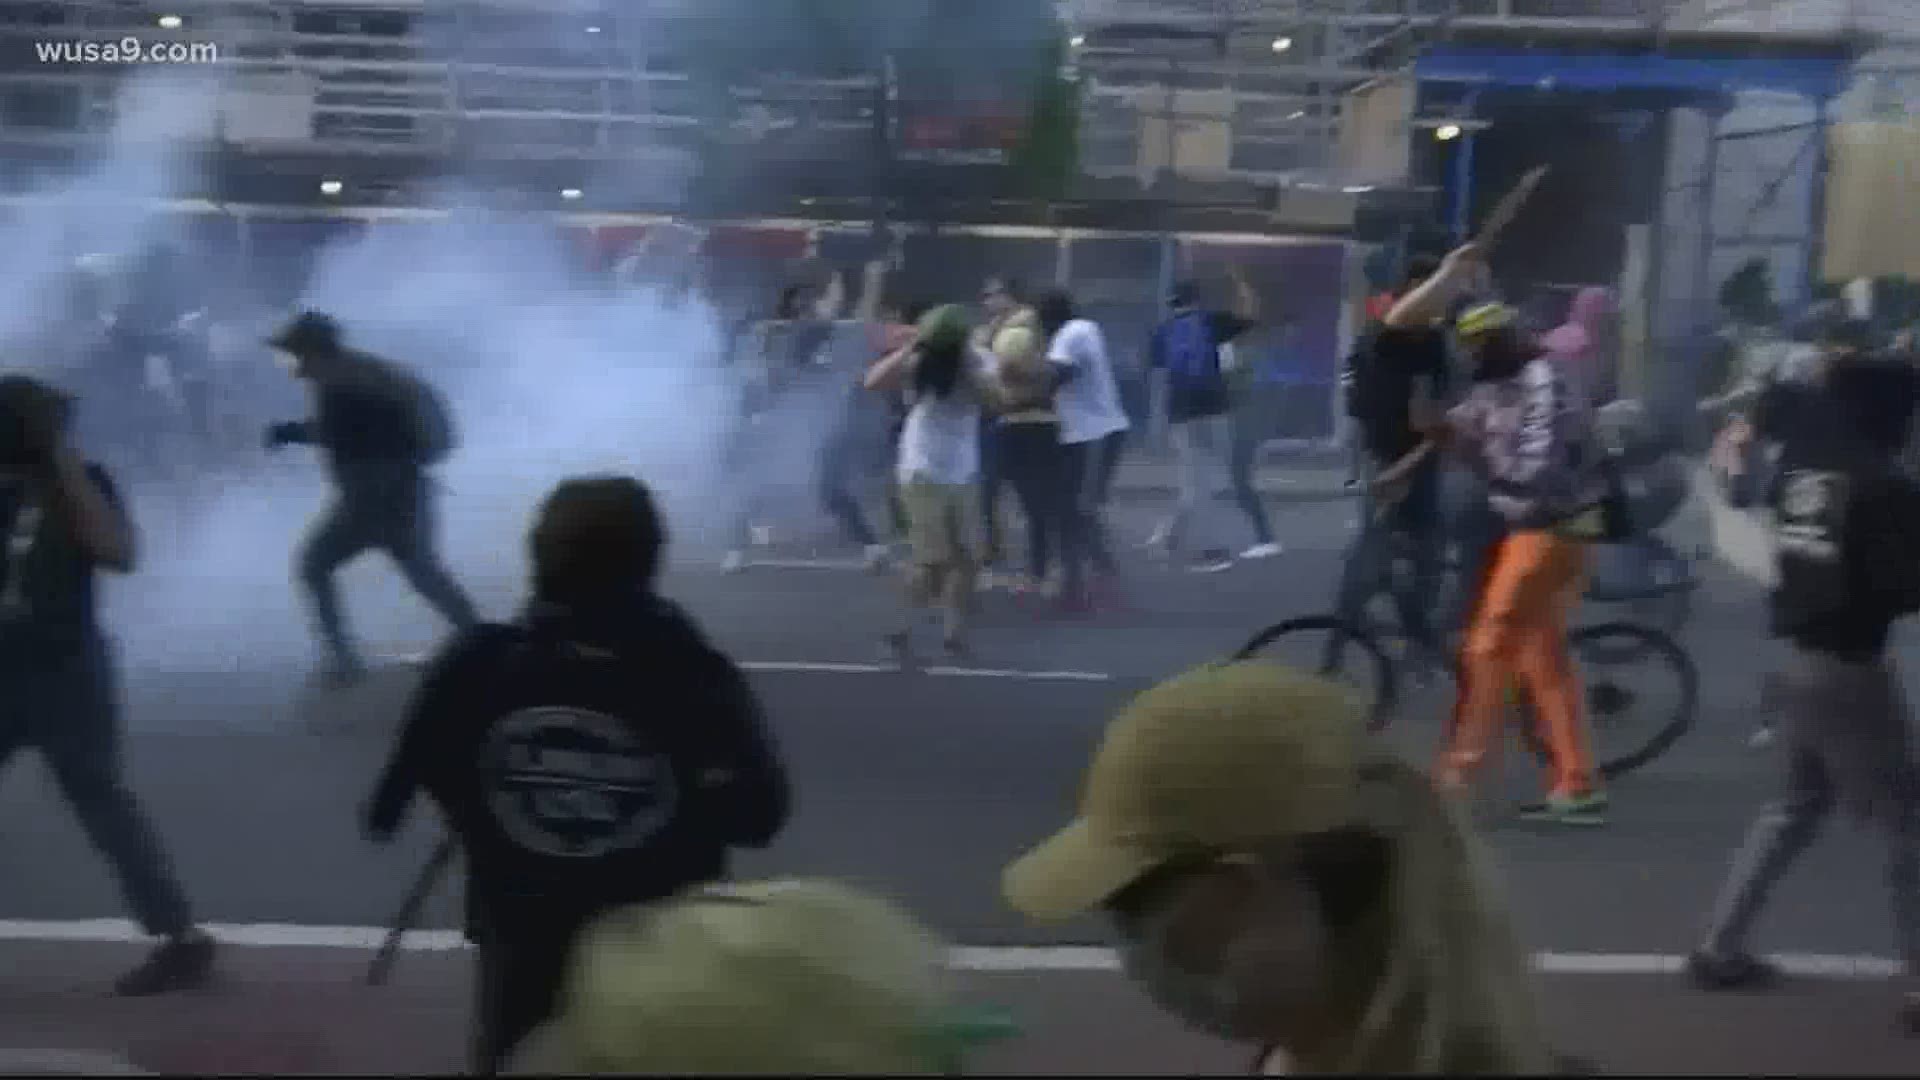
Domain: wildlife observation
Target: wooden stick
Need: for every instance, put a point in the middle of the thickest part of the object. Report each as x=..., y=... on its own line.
x=411, y=908
x=1509, y=207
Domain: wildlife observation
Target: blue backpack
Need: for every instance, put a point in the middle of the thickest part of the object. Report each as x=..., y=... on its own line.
x=1192, y=360
x=1190, y=353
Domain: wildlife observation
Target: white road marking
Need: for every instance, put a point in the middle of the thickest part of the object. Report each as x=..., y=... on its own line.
x=1004, y=959
x=812, y=667
x=834, y=667
x=807, y=564
x=998, y=673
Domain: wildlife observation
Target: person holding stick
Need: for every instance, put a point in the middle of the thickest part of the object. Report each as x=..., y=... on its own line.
x=598, y=752
x=1523, y=429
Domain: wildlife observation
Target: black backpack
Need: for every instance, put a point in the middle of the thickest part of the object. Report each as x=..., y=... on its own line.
x=1355, y=375
x=435, y=423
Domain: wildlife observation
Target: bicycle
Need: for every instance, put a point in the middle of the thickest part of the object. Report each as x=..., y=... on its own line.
x=1600, y=646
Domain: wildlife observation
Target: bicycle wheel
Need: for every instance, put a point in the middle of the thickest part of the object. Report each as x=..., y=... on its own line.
x=1336, y=649
x=1641, y=693
x=1646, y=576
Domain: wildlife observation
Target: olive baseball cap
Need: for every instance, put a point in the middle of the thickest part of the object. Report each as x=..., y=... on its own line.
x=1220, y=759
x=944, y=327
x=775, y=978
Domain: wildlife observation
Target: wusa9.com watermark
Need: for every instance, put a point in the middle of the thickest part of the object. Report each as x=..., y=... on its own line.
x=127, y=50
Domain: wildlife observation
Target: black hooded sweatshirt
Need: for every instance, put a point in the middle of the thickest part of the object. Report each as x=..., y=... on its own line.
x=586, y=759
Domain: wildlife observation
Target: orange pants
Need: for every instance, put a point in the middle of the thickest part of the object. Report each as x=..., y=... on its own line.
x=1518, y=634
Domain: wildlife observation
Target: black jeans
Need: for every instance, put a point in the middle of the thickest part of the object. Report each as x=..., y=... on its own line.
x=1251, y=425
x=67, y=709
x=1413, y=529
x=517, y=985
x=1036, y=465
x=384, y=507
x=1089, y=468
x=993, y=477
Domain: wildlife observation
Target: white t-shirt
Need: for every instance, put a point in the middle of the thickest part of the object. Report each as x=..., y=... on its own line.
x=940, y=442
x=1088, y=403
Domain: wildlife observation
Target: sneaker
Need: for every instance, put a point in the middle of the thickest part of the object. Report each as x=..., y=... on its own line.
x=1266, y=550
x=877, y=557
x=734, y=562
x=1211, y=562
x=897, y=648
x=1737, y=971
x=1161, y=540
x=1586, y=808
x=184, y=962
x=1761, y=738
x=956, y=647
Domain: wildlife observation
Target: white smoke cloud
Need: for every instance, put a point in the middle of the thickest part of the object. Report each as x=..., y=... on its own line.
x=108, y=212
x=547, y=376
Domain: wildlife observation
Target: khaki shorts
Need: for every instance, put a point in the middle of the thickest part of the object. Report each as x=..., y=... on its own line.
x=943, y=523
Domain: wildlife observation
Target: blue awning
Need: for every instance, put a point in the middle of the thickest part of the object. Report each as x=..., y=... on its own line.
x=1678, y=78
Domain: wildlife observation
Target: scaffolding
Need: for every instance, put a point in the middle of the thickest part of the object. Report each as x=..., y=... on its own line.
x=1274, y=78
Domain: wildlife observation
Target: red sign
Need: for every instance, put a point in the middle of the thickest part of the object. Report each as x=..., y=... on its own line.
x=988, y=132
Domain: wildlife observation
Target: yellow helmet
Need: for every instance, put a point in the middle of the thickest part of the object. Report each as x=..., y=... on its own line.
x=1485, y=319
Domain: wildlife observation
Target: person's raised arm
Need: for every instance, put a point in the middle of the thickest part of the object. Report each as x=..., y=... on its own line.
x=833, y=299
x=1246, y=300
x=1429, y=301
x=889, y=372
x=873, y=281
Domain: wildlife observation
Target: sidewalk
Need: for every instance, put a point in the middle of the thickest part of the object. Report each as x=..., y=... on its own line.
x=304, y=1012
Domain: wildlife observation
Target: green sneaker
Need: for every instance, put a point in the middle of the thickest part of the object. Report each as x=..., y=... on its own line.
x=1588, y=808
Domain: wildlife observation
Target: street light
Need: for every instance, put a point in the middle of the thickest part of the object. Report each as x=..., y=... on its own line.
x=1282, y=44
x=1447, y=132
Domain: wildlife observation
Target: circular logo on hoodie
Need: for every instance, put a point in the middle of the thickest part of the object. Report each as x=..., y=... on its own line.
x=575, y=783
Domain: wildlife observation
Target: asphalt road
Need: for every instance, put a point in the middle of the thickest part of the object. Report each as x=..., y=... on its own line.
x=302, y=1011
x=923, y=785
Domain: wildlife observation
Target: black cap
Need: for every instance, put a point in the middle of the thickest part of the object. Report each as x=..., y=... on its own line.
x=308, y=332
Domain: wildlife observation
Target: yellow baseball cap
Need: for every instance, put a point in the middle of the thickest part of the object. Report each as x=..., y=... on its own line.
x=1218, y=759
x=775, y=978
x=1485, y=319
x=1016, y=344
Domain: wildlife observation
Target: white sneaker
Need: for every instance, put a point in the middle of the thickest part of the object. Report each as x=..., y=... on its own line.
x=1262, y=551
x=1213, y=562
x=735, y=562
